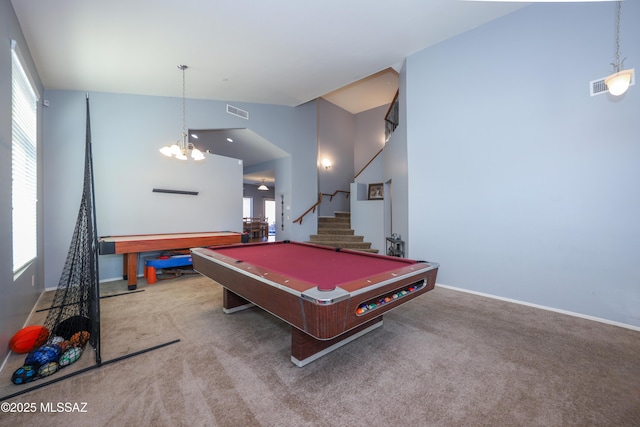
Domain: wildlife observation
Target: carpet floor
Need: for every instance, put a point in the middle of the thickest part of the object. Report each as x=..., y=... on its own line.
x=446, y=358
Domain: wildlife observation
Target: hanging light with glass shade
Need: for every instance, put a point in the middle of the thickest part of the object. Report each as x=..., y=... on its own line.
x=182, y=149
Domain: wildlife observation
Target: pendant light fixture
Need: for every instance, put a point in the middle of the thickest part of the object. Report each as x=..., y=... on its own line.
x=263, y=187
x=183, y=148
x=619, y=81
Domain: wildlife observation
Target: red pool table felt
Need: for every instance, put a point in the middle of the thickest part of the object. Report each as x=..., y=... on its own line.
x=326, y=269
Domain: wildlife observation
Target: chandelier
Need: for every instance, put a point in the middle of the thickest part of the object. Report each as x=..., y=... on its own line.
x=182, y=149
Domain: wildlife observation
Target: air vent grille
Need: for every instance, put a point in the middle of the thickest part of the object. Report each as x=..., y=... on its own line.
x=237, y=112
x=598, y=87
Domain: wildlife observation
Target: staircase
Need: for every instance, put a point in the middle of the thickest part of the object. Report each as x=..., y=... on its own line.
x=336, y=231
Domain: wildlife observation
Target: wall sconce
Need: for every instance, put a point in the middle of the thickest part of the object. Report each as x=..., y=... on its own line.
x=326, y=163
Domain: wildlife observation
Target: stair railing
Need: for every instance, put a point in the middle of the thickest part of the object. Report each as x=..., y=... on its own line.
x=392, y=118
x=320, y=196
x=368, y=163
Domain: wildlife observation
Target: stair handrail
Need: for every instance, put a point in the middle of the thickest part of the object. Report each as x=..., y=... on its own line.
x=368, y=163
x=392, y=119
x=320, y=195
x=391, y=122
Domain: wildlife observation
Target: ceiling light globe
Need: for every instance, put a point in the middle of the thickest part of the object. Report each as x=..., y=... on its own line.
x=175, y=150
x=197, y=154
x=619, y=82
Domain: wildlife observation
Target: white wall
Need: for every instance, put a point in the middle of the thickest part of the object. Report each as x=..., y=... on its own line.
x=336, y=133
x=520, y=184
x=127, y=131
x=367, y=217
x=396, y=172
x=284, y=215
x=369, y=136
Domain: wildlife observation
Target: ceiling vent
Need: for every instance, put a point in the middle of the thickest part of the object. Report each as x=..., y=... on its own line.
x=598, y=87
x=237, y=112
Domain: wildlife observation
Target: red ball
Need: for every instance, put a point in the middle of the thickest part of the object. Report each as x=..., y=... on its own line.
x=28, y=338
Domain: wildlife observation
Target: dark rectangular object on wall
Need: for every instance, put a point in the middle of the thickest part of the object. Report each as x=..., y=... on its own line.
x=163, y=190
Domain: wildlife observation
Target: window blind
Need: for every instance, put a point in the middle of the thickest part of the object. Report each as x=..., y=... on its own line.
x=24, y=190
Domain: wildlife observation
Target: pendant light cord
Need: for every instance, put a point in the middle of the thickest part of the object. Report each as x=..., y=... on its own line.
x=184, y=114
x=617, y=65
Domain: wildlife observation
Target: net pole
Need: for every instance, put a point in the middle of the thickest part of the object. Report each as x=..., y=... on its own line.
x=95, y=276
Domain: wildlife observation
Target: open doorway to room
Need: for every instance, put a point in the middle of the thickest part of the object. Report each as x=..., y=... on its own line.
x=259, y=158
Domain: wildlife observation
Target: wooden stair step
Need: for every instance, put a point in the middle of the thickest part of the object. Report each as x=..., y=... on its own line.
x=333, y=220
x=339, y=244
x=370, y=250
x=336, y=224
x=336, y=237
x=335, y=231
x=339, y=231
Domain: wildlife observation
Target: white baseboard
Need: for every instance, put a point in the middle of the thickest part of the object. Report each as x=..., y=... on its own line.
x=542, y=307
x=33, y=310
x=113, y=279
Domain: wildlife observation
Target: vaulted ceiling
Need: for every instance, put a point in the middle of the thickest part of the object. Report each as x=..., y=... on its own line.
x=284, y=52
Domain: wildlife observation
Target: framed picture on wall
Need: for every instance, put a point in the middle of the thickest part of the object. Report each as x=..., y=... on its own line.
x=376, y=191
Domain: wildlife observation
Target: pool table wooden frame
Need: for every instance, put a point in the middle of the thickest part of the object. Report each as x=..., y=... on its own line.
x=321, y=320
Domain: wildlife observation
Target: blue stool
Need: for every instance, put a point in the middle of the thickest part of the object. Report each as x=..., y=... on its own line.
x=150, y=265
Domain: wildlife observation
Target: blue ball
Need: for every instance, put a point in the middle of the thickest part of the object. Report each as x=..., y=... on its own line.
x=43, y=355
x=24, y=374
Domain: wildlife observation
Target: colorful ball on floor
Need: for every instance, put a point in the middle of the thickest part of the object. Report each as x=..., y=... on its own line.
x=71, y=355
x=43, y=355
x=24, y=374
x=28, y=338
x=64, y=345
x=56, y=340
x=48, y=369
x=71, y=325
x=80, y=338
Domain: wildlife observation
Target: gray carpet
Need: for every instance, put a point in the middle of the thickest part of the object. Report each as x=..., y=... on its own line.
x=444, y=359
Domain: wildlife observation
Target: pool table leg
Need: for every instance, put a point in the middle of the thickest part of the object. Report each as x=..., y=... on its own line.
x=305, y=348
x=232, y=302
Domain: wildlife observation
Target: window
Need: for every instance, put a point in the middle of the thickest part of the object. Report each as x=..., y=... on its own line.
x=247, y=207
x=270, y=214
x=24, y=190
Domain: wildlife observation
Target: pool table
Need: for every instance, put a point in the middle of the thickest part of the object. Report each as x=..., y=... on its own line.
x=130, y=246
x=329, y=296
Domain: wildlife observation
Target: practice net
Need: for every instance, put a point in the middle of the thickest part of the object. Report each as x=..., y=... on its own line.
x=74, y=317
